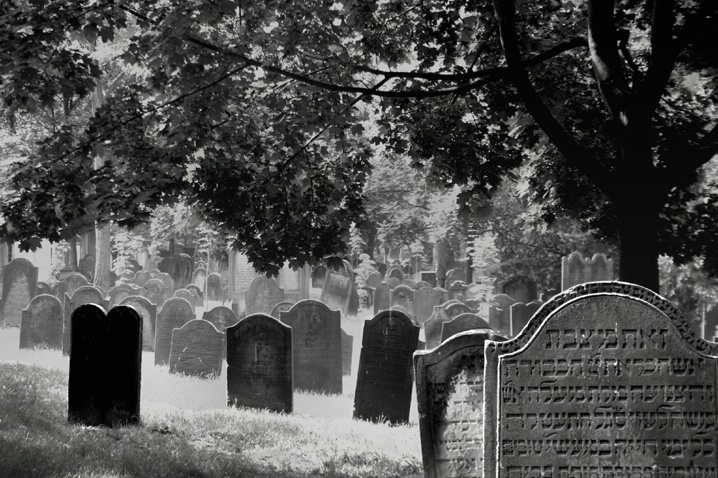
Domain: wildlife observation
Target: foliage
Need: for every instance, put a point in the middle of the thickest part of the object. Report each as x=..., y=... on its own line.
x=126, y=245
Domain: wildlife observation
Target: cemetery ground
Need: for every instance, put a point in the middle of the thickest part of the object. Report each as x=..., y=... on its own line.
x=187, y=429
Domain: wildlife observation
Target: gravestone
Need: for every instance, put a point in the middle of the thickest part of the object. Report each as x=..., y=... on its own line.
x=462, y=323
x=105, y=366
x=373, y=280
x=457, y=290
x=452, y=276
x=86, y=267
x=43, y=288
x=294, y=282
x=156, y=291
x=318, y=274
x=338, y=287
x=259, y=364
x=241, y=275
x=403, y=296
x=408, y=282
x=347, y=349
x=575, y=269
x=19, y=278
x=316, y=346
x=500, y=313
x=168, y=281
x=197, y=349
x=187, y=294
x=221, y=317
x=42, y=323
x=393, y=282
x=521, y=289
x=455, y=308
x=141, y=277
x=262, y=296
x=607, y=379
x=199, y=277
x=213, y=290
x=443, y=293
x=433, y=327
x=196, y=293
x=148, y=312
x=520, y=315
x=425, y=299
x=86, y=294
x=281, y=307
x=384, y=380
x=179, y=267
x=396, y=272
x=119, y=292
x=421, y=284
x=450, y=398
x=175, y=312
x=429, y=277
x=382, y=298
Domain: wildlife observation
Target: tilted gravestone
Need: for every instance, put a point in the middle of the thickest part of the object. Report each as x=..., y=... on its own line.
x=19, y=278
x=607, y=379
x=259, y=364
x=316, y=346
x=338, y=287
x=520, y=315
x=450, y=399
x=148, y=312
x=500, y=313
x=175, y=312
x=575, y=269
x=213, y=289
x=382, y=298
x=347, y=349
x=462, y=323
x=262, y=296
x=403, y=296
x=384, y=381
x=105, y=366
x=120, y=292
x=42, y=323
x=86, y=294
x=156, y=291
x=197, y=349
x=434, y=326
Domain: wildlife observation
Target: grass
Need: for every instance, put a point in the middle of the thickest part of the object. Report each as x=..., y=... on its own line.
x=187, y=430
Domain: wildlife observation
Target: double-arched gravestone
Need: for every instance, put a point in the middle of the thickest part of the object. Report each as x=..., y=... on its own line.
x=105, y=366
x=86, y=294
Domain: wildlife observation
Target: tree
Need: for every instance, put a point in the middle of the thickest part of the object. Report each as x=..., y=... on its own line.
x=251, y=111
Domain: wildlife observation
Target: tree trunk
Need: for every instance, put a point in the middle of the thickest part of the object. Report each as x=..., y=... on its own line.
x=72, y=254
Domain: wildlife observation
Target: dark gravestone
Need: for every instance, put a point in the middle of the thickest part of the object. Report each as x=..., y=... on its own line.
x=434, y=326
x=403, y=296
x=382, y=298
x=462, y=323
x=384, y=381
x=318, y=274
x=213, y=290
x=259, y=364
x=500, y=313
x=148, y=312
x=180, y=268
x=347, y=349
x=450, y=399
x=607, y=379
x=281, y=307
x=316, y=346
x=454, y=309
x=429, y=277
x=453, y=275
x=19, y=278
x=520, y=315
x=156, y=292
x=175, y=312
x=338, y=287
x=262, y=296
x=575, y=269
x=85, y=294
x=119, y=292
x=42, y=323
x=425, y=299
x=197, y=349
x=105, y=366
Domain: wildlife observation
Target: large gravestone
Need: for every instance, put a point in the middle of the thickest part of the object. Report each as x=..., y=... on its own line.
x=262, y=296
x=520, y=315
x=197, y=349
x=450, y=398
x=462, y=323
x=433, y=327
x=259, y=364
x=500, y=313
x=384, y=381
x=86, y=294
x=347, y=349
x=42, y=323
x=105, y=366
x=403, y=296
x=317, y=346
x=607, y=379
x=337, y=288
x=575, y=269
x=19, y=278
x=175, y=312
x=382, y=298
x=148, y=312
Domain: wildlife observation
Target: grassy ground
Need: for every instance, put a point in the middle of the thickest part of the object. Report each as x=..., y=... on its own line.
x=187, y=430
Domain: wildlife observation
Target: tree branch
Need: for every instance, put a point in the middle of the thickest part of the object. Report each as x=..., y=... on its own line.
x=574, y=153
x=689, y=159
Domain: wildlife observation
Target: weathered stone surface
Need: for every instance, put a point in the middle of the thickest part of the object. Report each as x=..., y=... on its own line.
x=259, y=364
x=607, y=379
x=347, y=349
x=382, y=298
x=119, y=292
x=383, y=391
x=281, y=307
x=262, y=296
x=450, y=399
x=403, y=296
x=434, y=326
x=19, y=278
x=396, y=272
x=425, y=299
x=462, y=323
x=156, y=291
x=175, y=312
x=221, y=317
x=408, y=282
x=575, y=269
x=197, y=349
x=520, y=315
x=199, y=277
x=141, y=277
x=213, y=290
x=373, y=280
x=429, y=277
x=168, y=281
x=105, y=366
x=148, y=312
x=42, y=323
x=85, y=294
x=317, y=346
x=455, y=308
x=500, y=313
x=337, y=288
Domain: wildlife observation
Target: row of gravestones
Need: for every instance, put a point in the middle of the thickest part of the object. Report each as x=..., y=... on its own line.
x=267, y=359
x=606, y=379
